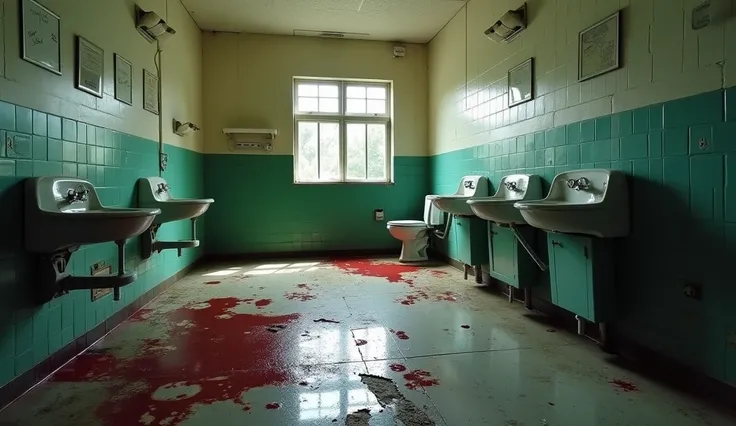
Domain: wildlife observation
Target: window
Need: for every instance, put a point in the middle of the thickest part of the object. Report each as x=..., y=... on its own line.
x=342, y=131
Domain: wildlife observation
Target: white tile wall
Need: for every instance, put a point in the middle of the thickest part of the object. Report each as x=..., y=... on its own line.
x=662, y=59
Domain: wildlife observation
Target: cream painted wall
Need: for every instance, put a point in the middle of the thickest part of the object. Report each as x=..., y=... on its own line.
x=248, y=83
x=111, y=25
x=662, y=59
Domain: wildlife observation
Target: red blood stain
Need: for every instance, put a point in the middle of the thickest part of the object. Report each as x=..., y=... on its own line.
x=438, y=273
x=447, y=296
x=211, y=354
x=420, y=378
x=212, y=282
x=399, y=368
x=465, y=326
x=273, y=406
x=411, y=299
x=402, y=335
x=360, y=342
x=624, y=385
x=299, y=295
x=391, y=271
x=263, y=302
x=304, y=286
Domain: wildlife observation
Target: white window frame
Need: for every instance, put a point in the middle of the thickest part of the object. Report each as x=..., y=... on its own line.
x=343, y=119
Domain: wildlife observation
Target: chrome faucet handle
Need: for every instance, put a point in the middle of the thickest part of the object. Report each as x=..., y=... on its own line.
x=469, y=184
x=82, y=193
x=582, y=183
x=571, y=183
x=163, y=187
x=511, y=186
x=71, y=195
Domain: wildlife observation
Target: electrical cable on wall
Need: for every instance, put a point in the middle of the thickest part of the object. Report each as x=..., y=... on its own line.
x=157, y=63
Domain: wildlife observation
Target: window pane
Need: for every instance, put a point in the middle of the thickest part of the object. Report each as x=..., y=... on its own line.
x=328, y=105
x=328, y=91
x=376, y=151
x=307, y=90
x=355, y=106
x=376, y=107
x=356, y=151
x=356, y=92
x=308, y=105
x=376, y=93
x=329, y=151
x=307, y=145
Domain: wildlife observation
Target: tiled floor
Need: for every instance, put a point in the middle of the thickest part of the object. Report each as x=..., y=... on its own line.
x=286, y=343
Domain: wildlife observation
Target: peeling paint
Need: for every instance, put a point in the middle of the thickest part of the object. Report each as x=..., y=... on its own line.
x=388, y=396
x=299, y=295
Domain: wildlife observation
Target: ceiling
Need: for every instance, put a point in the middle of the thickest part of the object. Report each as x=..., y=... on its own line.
x=410, y=21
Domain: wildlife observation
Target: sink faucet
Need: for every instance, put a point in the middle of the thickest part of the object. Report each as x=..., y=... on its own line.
x=511, y=186
x=79, y=194
x=163, y=187
x=579, y=184
x=469, y=184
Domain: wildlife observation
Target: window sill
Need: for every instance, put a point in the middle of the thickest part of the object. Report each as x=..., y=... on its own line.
x=346, y=183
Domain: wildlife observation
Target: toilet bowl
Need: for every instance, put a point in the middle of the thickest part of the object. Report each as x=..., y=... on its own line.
x=414, y=234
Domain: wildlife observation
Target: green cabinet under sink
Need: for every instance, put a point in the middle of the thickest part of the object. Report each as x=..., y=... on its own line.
x=471, y=240
x=581, y=275
x=509, y=262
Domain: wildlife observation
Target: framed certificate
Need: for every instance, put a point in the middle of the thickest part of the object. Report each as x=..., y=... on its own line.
x=40, y=40
x=599, y=49
x=90, y=67
x=150, y=92
x=521, y=83
x=123, y=80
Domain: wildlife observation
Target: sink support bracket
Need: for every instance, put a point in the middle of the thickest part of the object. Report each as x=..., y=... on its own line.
x=55, y=280
x=535, y=257
x=150, y=245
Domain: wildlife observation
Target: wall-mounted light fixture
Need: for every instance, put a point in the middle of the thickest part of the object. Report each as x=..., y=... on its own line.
x=183, y=129
x=511, y=24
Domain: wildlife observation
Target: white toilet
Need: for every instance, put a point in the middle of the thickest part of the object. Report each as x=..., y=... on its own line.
x=414, y=234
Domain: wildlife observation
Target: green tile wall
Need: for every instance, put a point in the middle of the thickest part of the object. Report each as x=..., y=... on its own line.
x=33, y=143
x=683, y=198
x=259, y=209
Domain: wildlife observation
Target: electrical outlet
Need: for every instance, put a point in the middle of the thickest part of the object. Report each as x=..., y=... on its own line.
x=693, y=290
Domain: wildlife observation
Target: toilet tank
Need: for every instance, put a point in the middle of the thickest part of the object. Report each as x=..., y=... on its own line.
x=432, y=215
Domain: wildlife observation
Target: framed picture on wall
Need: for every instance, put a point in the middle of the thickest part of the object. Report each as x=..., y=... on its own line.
x=90, y=67
x=123, y=80
x=599, y=48
x=40, y=38
x=521, y=83
x=150, y=92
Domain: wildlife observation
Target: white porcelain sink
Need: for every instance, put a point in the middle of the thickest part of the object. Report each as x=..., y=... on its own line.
x=591, y=202
x=457, y=203
x=500, y=208
x=62, y=213
x=153, y=192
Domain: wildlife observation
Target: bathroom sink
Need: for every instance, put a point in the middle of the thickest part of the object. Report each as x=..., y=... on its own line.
x=591, y=202
x=63, y=213
x=457, y=203
x=454, y=204
x=500, y=208
x=153, y=192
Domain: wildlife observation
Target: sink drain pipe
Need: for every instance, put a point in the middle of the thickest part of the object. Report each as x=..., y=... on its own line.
x=529, y=249
x=442, y=235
